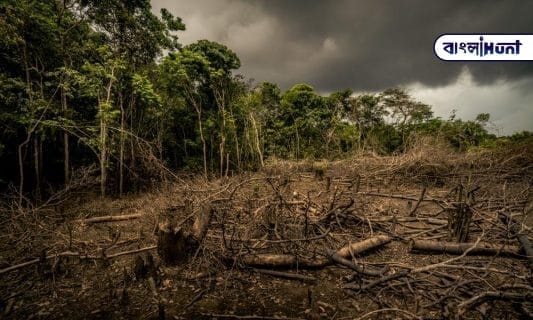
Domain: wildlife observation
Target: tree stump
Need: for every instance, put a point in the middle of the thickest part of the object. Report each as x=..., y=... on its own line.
x=175, y=244
x=460, y=216
x=459, y=223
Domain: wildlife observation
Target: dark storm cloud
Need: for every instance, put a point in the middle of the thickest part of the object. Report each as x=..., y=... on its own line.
x=370, y=46
x=365, y=45
x=385, y=43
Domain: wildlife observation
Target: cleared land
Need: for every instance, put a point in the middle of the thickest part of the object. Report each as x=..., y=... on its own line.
x=367, y=238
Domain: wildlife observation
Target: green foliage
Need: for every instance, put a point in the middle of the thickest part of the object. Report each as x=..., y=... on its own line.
x=90, y=70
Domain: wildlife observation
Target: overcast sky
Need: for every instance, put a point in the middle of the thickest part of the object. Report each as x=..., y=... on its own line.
x=370, y=46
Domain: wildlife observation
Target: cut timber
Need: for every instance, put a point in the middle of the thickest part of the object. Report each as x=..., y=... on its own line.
x=175, y=244
x=460, y=248
x=362, y=246
x=110, y=218
x=289, y=260
x=282, y=261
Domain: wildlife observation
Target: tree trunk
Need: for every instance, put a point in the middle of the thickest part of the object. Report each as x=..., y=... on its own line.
x=121, y=151
x=37, y=166
x=257, y=143
x=202, y=138
x=132, y=147
x=29, y=132
x=66, y=149
x=103, y=157
x=103, y=135
x=21, y=172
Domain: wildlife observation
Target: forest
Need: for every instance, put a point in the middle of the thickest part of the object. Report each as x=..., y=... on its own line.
x=106, y=117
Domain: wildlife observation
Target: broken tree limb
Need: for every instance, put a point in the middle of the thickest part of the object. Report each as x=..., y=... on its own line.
x=357, y=267
x=411, y=270
x=460, y=248
x=288, y=260
x=110, y=218
x=422, y=194
x=285, y=275
x=282, y=261
x=362, y=246
x=394, y=196
x=374, y=283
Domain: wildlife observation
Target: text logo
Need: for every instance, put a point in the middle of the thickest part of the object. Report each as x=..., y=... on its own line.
x=484, y=47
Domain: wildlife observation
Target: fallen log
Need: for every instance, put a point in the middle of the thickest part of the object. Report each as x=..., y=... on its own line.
x=460, y=248
x=362, y=246
x=282, y=261
x=110, y=218
x=272, y=260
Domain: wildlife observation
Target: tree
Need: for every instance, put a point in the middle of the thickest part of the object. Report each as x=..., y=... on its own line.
x=368, y=113
x=183, y=73
x=404, y=110
x=304, y=116
x=218, y=78
x=138, y=37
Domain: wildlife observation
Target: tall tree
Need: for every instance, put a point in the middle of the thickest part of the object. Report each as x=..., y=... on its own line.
x=404, y=109
x=221, y=85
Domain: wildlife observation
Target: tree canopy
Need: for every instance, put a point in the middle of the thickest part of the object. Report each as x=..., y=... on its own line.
x=105, y=87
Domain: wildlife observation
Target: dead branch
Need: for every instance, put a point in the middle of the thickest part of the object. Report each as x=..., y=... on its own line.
x=359, y=268
x=73, y=254
x=251, y=317
x=286, y=275
x=493, y=295
x=110, y=218
x=422, y=194
x=288, y=260
x=395, y=196
x=282, y=261
x=362, y=246
x=376, y=282
x=413, y=316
